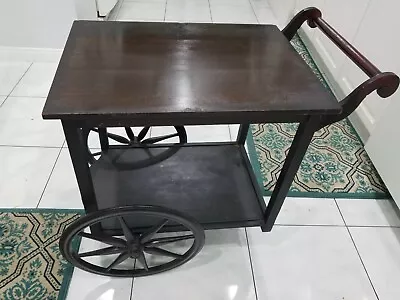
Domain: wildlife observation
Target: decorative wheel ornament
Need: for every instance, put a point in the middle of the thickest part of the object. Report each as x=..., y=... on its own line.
x=132, y=139
x=137, y=252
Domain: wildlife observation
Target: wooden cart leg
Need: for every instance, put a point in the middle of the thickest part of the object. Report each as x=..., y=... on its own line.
x=76, y=148
x=293, y=160
x=242, y=134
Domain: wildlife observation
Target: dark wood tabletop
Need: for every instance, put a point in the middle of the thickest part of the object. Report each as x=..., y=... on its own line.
x=170, y=73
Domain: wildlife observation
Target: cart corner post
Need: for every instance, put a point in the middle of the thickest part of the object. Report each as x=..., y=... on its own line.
x=292, y=163
x=242, y=133
x=73, y=136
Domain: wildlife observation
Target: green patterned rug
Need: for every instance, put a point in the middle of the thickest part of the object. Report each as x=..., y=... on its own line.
x=335, y=165
x=31, y=265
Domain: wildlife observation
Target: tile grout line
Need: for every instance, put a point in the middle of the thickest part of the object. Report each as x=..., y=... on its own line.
x=31, y=146
x=230, y=133
x=308, y=225
x=117, y=12
x=251, y=263
x=23, y=75
x=209, y=7
x=9, y=95
x=35, y=97
x=133, y=278
x=165, y=10
x=358, y=253
x=372, y=226
x=333, y=225
x=51, y=173
x=254, y=12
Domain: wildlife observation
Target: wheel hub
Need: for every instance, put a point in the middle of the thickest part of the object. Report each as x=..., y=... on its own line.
x=135, y=249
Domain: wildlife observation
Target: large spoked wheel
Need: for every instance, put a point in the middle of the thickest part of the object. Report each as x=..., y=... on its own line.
x=136, y=253
x=132, y=140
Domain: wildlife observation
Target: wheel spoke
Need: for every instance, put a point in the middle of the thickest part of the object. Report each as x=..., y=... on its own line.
x=130, y=134
x=143, y=133
x=103, y=251
x=161, y=252
x=118, y=138
x=142, y=260
x=104, y=239
x=157, y=139
x=121, y=258
x=168, y=240
x=115, y=137
x=127, y=232
x=147, y=235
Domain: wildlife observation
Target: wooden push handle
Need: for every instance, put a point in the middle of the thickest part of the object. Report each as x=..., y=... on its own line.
x=360, y=60
x=385, y=83
x=314, y=18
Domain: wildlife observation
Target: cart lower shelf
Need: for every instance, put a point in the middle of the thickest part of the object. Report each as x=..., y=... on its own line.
x=213, y=183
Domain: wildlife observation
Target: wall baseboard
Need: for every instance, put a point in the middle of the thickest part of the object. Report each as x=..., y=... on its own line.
x=359, y=119
x=30, y=54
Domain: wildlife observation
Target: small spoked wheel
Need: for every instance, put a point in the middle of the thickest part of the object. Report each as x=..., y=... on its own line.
x=131, y=139
x=134, y=252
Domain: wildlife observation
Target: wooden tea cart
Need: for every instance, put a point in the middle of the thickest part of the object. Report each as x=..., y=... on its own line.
x=141, y=194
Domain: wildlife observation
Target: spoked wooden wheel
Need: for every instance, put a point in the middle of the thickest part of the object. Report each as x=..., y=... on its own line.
x=136, y=253
x=131, y=139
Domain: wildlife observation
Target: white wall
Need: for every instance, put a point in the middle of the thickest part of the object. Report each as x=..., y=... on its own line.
x=378, y=41
x=36, y=23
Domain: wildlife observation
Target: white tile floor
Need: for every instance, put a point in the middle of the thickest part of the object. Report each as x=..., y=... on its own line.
x=195, y=11
x=319, y=249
